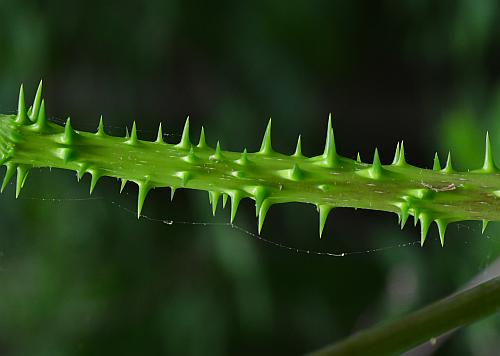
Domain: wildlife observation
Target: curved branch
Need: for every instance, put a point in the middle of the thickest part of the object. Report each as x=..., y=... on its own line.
x=429, y=322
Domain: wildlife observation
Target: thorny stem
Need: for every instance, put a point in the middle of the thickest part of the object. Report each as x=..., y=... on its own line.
x=328, y=181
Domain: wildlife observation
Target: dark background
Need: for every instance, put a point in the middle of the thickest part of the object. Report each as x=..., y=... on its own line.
x=85, y=277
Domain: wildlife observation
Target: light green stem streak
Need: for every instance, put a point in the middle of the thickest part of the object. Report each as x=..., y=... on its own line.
x=432, y=321
x=328, y=181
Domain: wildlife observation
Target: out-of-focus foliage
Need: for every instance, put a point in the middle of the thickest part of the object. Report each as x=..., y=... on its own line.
x=86, y=277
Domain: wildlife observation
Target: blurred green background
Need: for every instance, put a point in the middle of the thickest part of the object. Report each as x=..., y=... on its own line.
x=85, y=277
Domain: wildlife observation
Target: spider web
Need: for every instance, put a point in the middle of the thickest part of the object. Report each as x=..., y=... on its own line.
x=236, y=227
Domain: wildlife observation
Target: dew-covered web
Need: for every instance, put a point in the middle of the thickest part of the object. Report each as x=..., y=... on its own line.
x=169, y=137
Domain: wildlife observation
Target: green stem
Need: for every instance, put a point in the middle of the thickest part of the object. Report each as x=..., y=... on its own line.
x=429, y=322
x=440, y=195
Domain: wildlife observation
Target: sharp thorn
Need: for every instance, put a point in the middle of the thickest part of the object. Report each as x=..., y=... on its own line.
x=442, y=224
x=298, y=148
x=266, y=147
x=437, y=165
x=330, y=152
x=22, y=174
x=36, y=102
x=425, y=222
x=404, y=215
x=266, y=204
x=243, y=160
x=489, y=164
x=185, y=141
x=123, y=183
x=95, y=177
x=236, y=197
x=133, y=135
x=22, y=117
x=324, y=211
x=80, y=171
x=376, y=169
x=159, y=136
x=214, y=200
x=69, y=133
x=485, y=225
x=41, y=118
x=416, y=215
x=100, y=128
x=141, y=197
x=218, y=153
x=11, y=169
x=224, y=200
x=449, y=167
x=202, y=143
x=261, y=193
x=396, y=155
x=401, y=157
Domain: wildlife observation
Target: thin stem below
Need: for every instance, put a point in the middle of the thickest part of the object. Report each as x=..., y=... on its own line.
x=422, y=325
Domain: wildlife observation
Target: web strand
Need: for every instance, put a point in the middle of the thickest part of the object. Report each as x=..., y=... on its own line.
x=233, y=226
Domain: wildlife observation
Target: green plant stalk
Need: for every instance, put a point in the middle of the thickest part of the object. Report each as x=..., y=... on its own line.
x=442, y=195
x=423, y=325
